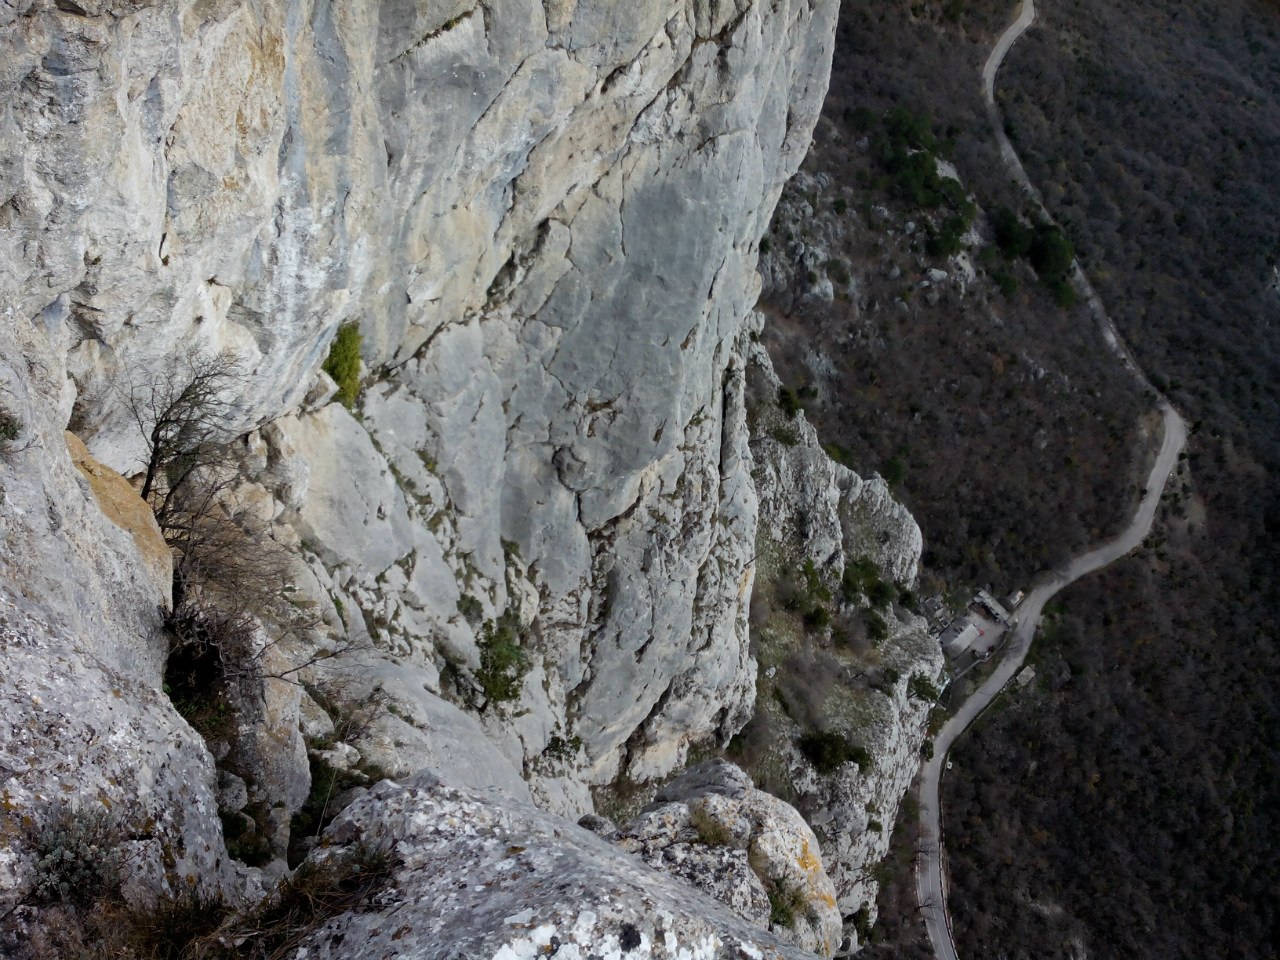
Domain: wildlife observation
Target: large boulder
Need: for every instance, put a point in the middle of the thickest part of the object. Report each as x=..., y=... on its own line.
x=481, y=875
x=751, y=851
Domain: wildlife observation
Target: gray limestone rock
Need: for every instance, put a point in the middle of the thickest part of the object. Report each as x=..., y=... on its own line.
x=478, y=874
x=713, y=829
x=829, y=515
x=84, y=725
x=543, y=219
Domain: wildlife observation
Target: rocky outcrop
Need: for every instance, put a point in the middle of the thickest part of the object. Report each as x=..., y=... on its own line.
x=751, y=851
x=543, y=219
x=121, y=504
x=818, y=520
x=535, y=534
x=85, y=727
x=480, y=875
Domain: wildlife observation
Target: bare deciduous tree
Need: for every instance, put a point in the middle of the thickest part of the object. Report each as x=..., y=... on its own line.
x=184, y=415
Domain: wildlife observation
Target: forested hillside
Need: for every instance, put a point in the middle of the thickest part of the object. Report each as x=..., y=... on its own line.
x=1124, y=804
x=987, y=405
x=1128, y=806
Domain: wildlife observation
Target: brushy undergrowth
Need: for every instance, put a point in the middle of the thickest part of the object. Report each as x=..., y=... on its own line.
x=343, y=364
x=829, y=751
x=200, y=927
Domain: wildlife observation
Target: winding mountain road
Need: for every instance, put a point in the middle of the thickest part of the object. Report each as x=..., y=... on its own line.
x=931, y=889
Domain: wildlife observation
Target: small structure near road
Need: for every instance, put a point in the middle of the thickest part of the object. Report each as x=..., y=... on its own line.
x=935, y=610
x=993, y=606
x=1026, y=675
x=959, y=636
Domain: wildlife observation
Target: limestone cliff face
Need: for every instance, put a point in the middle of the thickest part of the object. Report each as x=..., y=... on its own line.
x=542, y=216
x=819, y=515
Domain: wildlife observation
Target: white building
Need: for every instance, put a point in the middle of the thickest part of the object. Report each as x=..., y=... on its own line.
x=958, y=637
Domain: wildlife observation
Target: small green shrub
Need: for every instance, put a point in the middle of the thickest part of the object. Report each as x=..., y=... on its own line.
x=818, y=590
x=880, y=594
x=470, y=608
x=877, y=628
x=503, y=662
x=789, y=400
x=1006, y=281
x=710, y=830
x=343, y=364
x=895, y=471
x=817, y=618
x=1051, y=253
x=860, y=576
x=563, y=748
x=787, y=436
x=786, y=904
x=922, y=688
x=829, y=751
x=1064, y=295
x=1012, y=237
x=10, y=430
x=862, y=923
x=78, y=858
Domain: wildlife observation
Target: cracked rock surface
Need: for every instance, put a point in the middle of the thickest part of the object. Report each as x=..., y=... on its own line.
x=544, y=220
x=480, y=875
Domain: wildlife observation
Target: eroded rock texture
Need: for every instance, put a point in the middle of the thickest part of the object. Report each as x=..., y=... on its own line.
x=542, y=216
x=480, y=875
x=543, y=219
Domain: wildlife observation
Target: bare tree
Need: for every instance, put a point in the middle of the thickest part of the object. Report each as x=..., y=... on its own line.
x=184, y=415
x=231, y=578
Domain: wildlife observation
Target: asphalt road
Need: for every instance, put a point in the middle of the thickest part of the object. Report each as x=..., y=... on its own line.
x=930, y=877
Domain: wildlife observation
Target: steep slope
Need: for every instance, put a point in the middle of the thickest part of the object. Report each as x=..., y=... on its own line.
x=522, y=546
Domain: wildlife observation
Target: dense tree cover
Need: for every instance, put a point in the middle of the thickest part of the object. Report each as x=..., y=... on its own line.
x=989, y=414
x=1125, y=804
x=1154, y=131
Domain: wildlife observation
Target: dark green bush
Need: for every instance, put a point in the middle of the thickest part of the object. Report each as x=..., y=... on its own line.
x=787, y=436
x=10, y=430
x=922, y=688
x=789, y=401
x=1013, y=239
x=828, y=751
x=1051, y=253
x=503, y=662
x=880, y=594
x=877, y=628
x=1006, y=282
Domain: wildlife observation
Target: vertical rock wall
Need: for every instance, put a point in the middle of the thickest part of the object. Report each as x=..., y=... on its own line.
x=542, y=216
